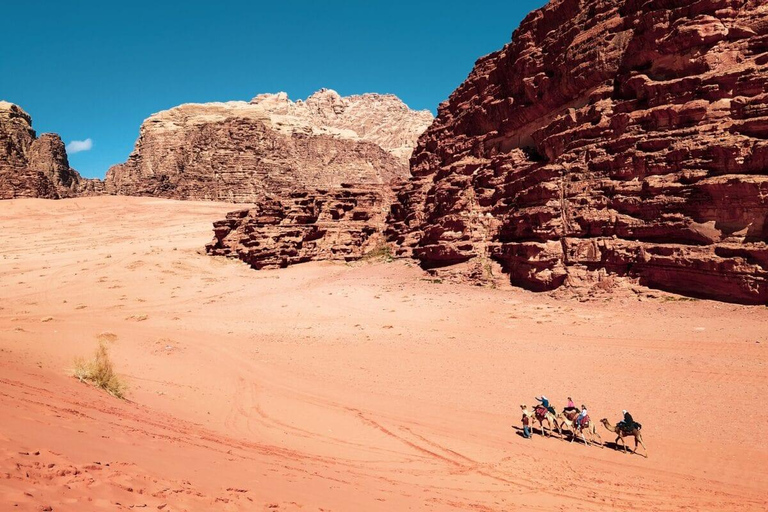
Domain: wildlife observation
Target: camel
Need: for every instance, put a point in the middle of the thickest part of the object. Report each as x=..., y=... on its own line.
x=569, y=420
x=550, y=419
x=621, y=434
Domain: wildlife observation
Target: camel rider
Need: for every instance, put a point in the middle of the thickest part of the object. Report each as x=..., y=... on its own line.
x=571, y=407
x=628, y=424
x=545, y=403
x=581, y=417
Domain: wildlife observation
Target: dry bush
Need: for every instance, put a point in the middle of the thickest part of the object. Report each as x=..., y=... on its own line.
x=100, y=372
x=107, y=336
x=381, y=252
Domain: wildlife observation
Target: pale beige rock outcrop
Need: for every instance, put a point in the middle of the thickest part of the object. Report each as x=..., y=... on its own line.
x=243, y=151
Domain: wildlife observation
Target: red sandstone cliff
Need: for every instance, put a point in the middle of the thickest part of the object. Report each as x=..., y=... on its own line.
x=270, y=146
x=608, y=137
x=343, y=223
x=32, y=166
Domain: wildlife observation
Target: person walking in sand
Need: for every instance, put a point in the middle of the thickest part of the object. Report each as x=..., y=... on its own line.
x=526, y=421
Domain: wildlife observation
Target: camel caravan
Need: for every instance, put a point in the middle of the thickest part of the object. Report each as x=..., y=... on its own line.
x=578, y=424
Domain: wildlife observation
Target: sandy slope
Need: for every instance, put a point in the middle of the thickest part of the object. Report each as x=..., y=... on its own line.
x=334, y=387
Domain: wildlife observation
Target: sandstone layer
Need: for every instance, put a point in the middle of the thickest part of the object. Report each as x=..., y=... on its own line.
x=342, y=224
x=270, y=146
x=609, y=137
x=32, y=166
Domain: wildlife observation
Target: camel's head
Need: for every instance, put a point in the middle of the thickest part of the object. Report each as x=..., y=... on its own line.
x=604, y=421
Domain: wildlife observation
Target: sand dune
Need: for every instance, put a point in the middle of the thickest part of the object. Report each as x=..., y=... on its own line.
x=347, y=387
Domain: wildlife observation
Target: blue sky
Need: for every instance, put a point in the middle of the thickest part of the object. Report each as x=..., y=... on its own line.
x=95, y=69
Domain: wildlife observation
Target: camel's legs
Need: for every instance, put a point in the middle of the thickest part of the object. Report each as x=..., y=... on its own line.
x=621, y=439
x=549, y=425
x=640, y=438
x=595, y=432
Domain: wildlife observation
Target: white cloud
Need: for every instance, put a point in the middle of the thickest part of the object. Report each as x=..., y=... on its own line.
x=77, y=146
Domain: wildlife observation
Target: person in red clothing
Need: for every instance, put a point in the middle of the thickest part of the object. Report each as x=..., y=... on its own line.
x=526, y=421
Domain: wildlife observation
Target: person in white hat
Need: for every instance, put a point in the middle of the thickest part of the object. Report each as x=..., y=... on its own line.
x=628, y=424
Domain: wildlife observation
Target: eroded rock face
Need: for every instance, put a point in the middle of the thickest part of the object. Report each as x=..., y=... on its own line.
x=342, y=223
x=32, y=166
x=620, y=137
x=246, y=151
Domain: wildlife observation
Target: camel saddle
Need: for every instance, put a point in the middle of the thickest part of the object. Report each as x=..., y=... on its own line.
x=629, y=428
x=583, y=422
x=541, y=412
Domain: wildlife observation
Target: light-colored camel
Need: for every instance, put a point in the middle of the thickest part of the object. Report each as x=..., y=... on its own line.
x=551, y=421
x=569, y=420
x=621, y=434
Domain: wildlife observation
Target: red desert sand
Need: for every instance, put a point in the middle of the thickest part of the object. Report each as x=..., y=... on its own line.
x=333, y=387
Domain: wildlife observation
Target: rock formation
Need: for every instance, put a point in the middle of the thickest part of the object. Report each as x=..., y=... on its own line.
x=32, y=166
x=342, y=223
x=270, y=146
x=620, y=137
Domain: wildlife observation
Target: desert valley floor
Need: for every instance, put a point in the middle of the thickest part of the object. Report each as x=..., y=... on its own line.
x=333, y=387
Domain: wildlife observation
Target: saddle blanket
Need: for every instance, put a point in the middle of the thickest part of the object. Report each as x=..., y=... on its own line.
x=629, y=428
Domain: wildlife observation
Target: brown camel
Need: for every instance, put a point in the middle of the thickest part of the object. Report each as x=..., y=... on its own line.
x=569, y=420
x=621, y=434
x=549, y=418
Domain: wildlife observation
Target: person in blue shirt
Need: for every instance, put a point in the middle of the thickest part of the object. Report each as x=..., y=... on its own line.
x=544, y=401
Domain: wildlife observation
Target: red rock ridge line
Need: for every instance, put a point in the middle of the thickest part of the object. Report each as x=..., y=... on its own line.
x=608, y=137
